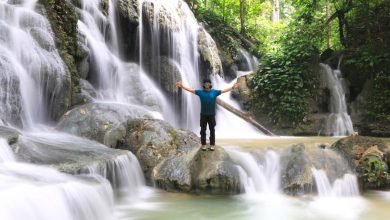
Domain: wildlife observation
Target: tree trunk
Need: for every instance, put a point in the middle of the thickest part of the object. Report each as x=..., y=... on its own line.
x=242, y=16
x=329, y=26
x=275, y=11
x=244, y=116
x=223, y=10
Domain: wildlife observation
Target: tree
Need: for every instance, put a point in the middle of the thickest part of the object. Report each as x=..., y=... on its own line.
x=275, y=11
x=329, y=27
x=242, y=17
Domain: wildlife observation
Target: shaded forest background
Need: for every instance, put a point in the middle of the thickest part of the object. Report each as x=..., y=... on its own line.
x=291, y=37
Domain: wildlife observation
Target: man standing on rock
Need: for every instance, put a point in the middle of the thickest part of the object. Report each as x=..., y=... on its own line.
x=208, y=98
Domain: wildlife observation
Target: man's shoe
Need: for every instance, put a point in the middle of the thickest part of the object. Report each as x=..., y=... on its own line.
x=212, y=148
x=204, y=148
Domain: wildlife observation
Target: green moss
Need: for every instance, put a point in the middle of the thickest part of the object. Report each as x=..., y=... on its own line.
x=104, y=6
x=175, y=138
x=63, y=19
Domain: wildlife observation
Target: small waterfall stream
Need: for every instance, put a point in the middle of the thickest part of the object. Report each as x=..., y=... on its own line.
x=347, y=186
x=339, y=122
x=262, y=176
x=256, y=177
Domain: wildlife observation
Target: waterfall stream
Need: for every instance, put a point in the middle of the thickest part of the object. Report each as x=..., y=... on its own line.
x=28, y=62
x=339, y=122
x=34, y=84
x=180, y=37
x=35, y=192
x=347, y=186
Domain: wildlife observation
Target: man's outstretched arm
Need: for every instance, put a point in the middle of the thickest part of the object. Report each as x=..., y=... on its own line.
x=236, y=85
x=178, y=84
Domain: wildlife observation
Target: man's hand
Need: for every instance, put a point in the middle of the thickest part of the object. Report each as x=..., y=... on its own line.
x=236, y=85
x=180, y=85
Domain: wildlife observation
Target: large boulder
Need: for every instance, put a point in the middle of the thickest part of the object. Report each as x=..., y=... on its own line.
x=296, y=170
x=97, y=121
x=168, y=157
x=353, y=147
x=169, y=74
x=68, y=153
x=75, y=155
x=198, y=171
x=298, y=161
x=214, y=172
x=209, y=53
x=152, y=141
x=367, y=156
x=172, y=160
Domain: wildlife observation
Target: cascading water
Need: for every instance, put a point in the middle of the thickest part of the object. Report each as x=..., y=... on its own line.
x=339, y=122
x=114, y=79
x=342, y=187
x=258, y=177
x=35, y=192
x=251, y=62
x=33, y=78
x=54, y=146
x=334, y=199
x=173, y=31
x=34, y=87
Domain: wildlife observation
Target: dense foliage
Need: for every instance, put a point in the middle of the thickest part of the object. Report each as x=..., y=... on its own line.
x=290, y=35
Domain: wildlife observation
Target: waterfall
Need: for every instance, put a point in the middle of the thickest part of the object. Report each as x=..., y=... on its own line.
x=339, y=122
x=173, y=31
x=33, y=78
x=114, y=79
x=117, y=171
x=35, y=192
x=251, y=62
x=334, y=199
x=123, y=171
x=256, y=177
x=34, y=90
x=347, y=186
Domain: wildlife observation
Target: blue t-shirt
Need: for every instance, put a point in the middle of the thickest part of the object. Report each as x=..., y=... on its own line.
x=207, y=100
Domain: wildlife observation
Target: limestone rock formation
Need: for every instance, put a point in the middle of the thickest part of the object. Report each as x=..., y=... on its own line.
x=209, y=52
x=369, y=157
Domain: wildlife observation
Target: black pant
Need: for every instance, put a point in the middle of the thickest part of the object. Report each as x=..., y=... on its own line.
x=204, y=120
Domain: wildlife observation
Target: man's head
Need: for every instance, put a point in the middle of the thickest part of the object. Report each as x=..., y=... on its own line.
x=207, y=84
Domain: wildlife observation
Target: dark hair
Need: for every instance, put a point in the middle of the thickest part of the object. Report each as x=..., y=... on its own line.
x=207, y=81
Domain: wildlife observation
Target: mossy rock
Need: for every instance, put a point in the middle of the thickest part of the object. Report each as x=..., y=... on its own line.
x=368, y=157
x=63, y=19
x=353, y=147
